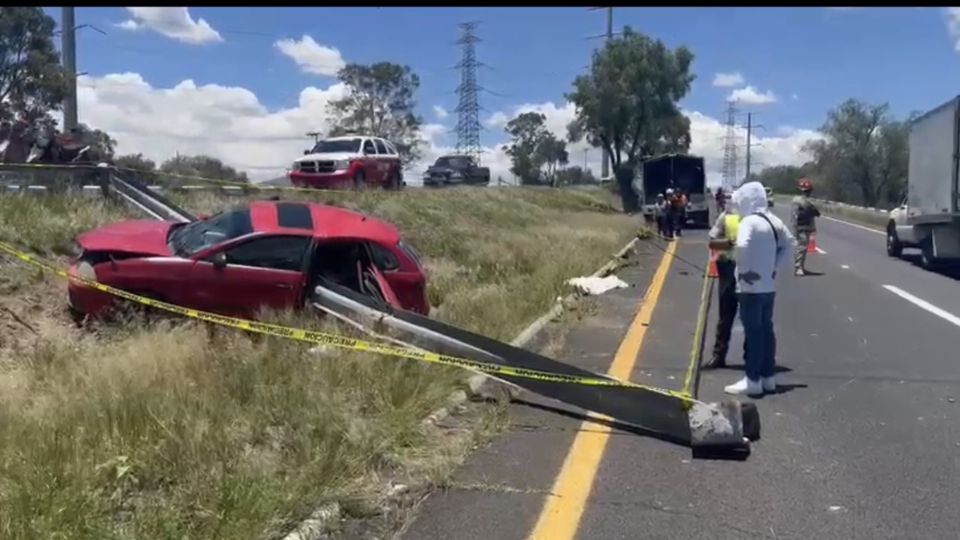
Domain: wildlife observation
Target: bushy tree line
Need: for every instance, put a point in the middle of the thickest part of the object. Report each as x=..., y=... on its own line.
x=862, y=158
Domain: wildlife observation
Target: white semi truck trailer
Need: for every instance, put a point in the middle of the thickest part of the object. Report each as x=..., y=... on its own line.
x=929, y=219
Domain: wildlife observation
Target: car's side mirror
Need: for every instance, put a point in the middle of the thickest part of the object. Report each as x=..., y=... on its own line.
x=219, y=260
x=305, y=152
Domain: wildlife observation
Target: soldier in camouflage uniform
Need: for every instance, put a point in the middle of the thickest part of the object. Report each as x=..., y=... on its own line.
x=805, y=215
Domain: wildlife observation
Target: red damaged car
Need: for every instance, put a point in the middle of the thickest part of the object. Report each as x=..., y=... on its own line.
x=266, y=254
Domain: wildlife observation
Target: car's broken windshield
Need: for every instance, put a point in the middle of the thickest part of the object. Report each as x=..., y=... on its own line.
x=339, y=145
x=199, y=235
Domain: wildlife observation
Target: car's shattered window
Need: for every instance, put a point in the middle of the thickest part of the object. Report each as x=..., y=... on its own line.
x=199, y=235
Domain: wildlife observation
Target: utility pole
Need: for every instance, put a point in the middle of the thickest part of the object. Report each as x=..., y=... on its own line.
x=746, y=175
x=605, y=168
x=605, y=162
x=69, y=51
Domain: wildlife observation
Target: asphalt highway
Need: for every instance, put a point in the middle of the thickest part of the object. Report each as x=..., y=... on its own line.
x=862, y=440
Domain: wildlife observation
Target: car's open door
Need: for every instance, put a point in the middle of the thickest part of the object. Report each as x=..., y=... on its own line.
x=376, y=286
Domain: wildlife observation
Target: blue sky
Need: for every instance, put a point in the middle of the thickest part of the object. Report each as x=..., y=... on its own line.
x=810, y=59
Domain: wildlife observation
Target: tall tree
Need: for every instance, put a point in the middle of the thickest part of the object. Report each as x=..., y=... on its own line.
x=527, y=132
x=380, y=102
x=627, y=103
x=552, y=153
x=32, y=81
x=863, y=156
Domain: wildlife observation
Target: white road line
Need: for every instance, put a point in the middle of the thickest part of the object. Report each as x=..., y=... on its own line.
x=868, y=229
x=820, y=251
x=924, y=304
x=845, y=267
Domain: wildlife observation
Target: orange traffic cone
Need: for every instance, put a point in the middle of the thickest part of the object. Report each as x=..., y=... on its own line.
x=712, y=267
x=812, y=244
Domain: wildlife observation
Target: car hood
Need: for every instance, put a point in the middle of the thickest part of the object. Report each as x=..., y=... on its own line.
x=146, y=237
x=331, y=156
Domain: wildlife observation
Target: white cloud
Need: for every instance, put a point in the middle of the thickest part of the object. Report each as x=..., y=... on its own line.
x=750, y=96
x=440, y=112
x=727, y=80
x=311, y=56
x=795, y=97
x=173, y=22
x=498, y=119
x=557, y=118
x=953, y=26
x=128, y=24
x=228, y=123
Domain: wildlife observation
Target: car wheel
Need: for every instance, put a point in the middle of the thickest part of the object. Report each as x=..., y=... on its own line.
x=78, y=317
x=394, y=183
x=927, y=260
x=359, y=180
x=894, y=247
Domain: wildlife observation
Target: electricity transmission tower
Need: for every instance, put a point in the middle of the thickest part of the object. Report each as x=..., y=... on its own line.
x=730, y=179
x=468, y=108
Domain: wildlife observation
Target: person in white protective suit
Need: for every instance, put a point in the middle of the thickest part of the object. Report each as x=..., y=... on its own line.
x=763, y=244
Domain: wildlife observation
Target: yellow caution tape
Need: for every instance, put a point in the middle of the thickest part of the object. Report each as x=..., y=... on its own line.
x=343, y=342
x=688, y=381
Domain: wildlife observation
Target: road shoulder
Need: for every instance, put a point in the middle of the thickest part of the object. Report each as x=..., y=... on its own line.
x=499, y=492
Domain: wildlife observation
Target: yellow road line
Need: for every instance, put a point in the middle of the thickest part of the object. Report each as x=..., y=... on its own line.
x=568, y=498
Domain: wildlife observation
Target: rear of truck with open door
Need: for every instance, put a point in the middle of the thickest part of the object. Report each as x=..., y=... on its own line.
x=679, y=172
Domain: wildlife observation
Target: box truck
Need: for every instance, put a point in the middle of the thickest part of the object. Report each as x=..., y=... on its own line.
x=929, y=218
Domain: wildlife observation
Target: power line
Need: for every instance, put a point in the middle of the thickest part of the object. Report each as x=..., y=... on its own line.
x=468, y=107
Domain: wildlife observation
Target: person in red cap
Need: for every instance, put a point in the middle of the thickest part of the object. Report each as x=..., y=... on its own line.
x=805, y=215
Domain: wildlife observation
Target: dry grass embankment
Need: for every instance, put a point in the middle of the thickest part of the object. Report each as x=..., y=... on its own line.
x=173, y=430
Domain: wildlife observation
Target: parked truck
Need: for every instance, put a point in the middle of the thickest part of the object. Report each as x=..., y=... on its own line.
x=455, y=170
x=677, y=171
x=929, y=218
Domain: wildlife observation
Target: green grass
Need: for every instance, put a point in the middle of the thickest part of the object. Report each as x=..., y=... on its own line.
x=169, y=429
x=47, y=224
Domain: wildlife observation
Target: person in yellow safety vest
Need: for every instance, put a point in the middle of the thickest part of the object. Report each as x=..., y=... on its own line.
x=723, y=236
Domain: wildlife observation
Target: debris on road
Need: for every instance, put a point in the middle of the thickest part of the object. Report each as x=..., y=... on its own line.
x=594, y=286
